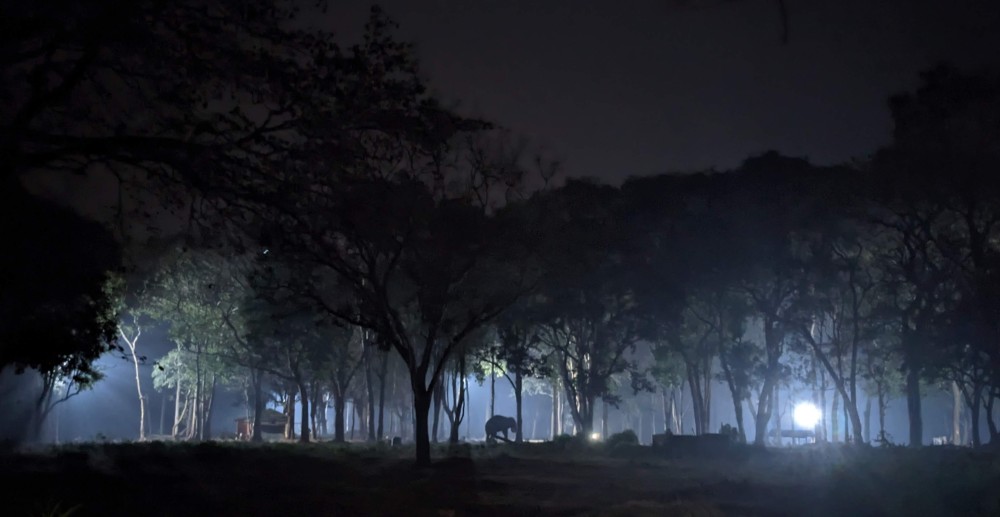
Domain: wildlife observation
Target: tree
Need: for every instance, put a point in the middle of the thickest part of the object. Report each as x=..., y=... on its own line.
x=402, y=221
x=587, y=312
x=57, y=307
x=195, y=293
x=517, y=355
x=771, y=229
x=130, y=333
x=936, y=199
x=175, y=91
x=845, y=313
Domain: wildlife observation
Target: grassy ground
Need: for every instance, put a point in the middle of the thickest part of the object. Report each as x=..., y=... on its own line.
x=530, y=479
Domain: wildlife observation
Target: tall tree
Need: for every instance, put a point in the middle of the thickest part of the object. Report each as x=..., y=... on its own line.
x=58, y=304
x=588, y=313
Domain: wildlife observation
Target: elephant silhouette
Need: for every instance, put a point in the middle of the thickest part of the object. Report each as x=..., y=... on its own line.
x=499, y=424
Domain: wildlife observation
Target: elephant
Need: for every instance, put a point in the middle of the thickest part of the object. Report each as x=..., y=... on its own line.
x=499, y=424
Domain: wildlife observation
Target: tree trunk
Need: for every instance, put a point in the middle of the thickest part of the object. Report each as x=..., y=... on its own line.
x=822, y=404
x=421, y=408
x=973, y=399
x=913, y=406
x=988, y=406
x=763, y=413
x=304, y=424
x=314, y=396
x=956, y=414
x=436, y=405
x=339, y=409
x=845, y=388
x=354, y=418
x=493, y=392
x=209, y=405
x=868, y=420
x=132, y=343
x=706, y=399
x=457, y=412
x=175, y=430
x=834, y=408
x=383, y=367
x=586, y=415
x=163, y=413
x=456, y=421
x=196, y=409
x=776, y=415
x=257, y=377
x=534, y=422
x=370, y=386
x=518, y=402
x=556, y=411
x=290, y=411
x=847, y=416
x=881, y=413
x=974, y=409
x=191, y=418
x=665, y=409
x=604, y=418
x=677, y=415
x=734, y=391
x=697, y=399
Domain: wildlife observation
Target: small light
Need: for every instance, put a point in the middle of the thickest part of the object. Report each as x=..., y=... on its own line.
x=595, y=436
x=266, y=251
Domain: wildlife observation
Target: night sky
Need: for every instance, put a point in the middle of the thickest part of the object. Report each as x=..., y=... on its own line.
x=614, y=89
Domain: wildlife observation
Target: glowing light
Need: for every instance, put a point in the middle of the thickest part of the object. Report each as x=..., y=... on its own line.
x=595, y=436
x=807, y=415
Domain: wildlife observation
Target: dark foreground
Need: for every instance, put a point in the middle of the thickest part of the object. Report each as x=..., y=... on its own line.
x=531, y=479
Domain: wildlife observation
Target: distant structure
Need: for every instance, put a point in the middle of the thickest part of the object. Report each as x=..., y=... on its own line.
x=272, y=426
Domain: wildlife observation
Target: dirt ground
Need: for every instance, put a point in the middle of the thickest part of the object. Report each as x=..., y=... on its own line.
x=161, y=479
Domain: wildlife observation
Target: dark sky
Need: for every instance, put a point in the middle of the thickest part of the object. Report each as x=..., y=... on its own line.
x=633, y=87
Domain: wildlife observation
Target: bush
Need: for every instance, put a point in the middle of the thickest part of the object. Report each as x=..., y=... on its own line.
x=622, y=439
x=565, y=442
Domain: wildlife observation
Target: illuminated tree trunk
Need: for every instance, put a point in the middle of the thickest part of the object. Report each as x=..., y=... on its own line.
x=175, y=430
x=493, y=391
x=556, y=410
x=868, y=420
x=304, y=399
x=834, y=423
x=138, y=382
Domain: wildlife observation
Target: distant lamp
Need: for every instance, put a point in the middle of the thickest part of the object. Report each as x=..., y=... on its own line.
x=806, y=415
x=595, y=437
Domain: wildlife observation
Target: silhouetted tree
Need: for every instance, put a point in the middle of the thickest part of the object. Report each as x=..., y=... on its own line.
x=57, y=306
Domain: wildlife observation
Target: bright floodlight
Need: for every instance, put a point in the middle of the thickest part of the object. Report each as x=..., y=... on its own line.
x=806, y=415
x=595, y=436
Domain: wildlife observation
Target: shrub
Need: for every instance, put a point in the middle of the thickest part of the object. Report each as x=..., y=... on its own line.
x=562, y=441
x=624, y=438
x=566, y=442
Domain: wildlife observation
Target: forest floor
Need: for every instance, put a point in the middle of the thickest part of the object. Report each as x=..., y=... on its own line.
x=224, y=478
